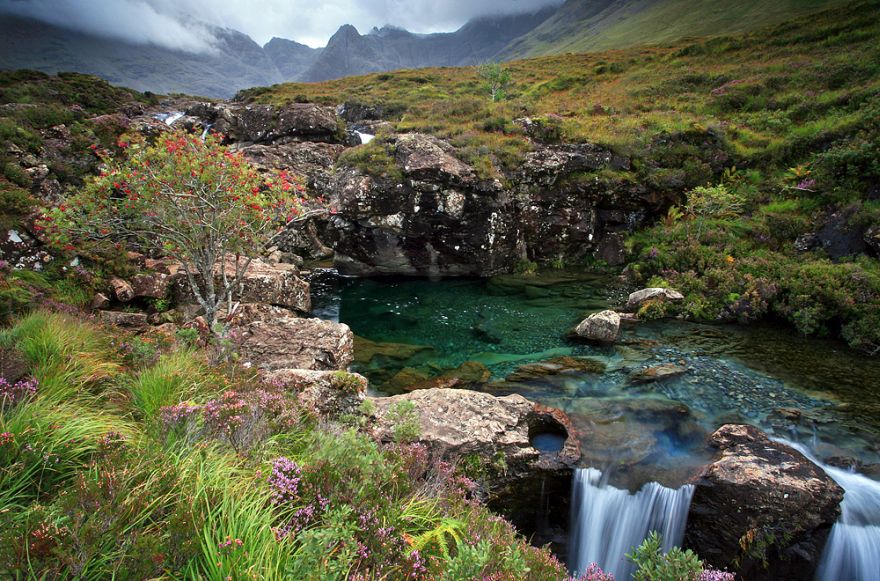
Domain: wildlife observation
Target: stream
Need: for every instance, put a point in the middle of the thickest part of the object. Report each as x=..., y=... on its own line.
x=636, y=435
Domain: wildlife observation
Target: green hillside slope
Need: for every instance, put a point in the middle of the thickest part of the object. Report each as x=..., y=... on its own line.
x=787, y=119
x=589, y=25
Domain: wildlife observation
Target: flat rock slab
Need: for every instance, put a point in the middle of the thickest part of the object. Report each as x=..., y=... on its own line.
x=263, y=282
x=294, y=343
x=458, y=422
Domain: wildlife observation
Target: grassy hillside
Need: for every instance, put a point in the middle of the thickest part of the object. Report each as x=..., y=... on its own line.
x=126, y=457
x=782, y=123
x=590, y=25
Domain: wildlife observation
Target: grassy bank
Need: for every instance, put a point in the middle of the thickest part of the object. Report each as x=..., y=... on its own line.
x=131, y=458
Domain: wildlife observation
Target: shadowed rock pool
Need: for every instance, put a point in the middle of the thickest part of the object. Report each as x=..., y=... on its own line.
x=508, y=335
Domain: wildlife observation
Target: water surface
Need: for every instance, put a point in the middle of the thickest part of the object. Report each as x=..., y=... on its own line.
x=804, y=389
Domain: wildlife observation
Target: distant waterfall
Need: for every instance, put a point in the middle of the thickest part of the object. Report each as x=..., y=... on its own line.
x=607, y=523
x=365, y=137
x=852, y=552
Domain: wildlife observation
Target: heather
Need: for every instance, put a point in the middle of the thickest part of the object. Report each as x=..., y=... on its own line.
x=168, y=466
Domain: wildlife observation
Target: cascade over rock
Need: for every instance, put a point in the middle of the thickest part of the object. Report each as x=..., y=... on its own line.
x=761, y=508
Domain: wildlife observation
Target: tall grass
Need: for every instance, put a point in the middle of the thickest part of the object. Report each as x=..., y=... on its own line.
x=52, y=442
x=176, y=377
x=70, y=358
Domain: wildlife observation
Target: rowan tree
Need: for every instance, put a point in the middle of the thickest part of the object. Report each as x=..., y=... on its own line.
x=190, y=199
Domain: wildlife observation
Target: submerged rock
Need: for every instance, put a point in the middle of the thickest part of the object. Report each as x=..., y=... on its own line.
x=761, y=508
x=556, y=366
x=603, y=327
x=658, y=372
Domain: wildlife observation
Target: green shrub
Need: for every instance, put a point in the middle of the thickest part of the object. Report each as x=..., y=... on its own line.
x=406, y=426
x=654, y=565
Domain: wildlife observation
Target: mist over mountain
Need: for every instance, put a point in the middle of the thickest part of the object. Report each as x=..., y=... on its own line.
x=350, y=53
x=236, y=61
x=218, y=61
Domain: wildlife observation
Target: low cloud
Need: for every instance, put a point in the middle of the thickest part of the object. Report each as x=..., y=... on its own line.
x=180, y=24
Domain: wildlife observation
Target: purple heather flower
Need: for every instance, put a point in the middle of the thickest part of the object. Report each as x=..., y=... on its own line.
x=12, y=393
x=284, y=481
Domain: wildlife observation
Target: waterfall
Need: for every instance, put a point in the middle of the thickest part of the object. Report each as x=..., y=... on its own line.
x=609, y=522
x=364, y=137
x=207, y=129
x=852, y=552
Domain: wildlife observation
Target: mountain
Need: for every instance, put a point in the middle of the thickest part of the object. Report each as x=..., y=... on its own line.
x=238, y=62
x=350, y=53
x=591, y=25
x=290, y=58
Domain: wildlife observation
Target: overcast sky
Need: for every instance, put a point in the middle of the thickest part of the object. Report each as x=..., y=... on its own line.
x=174, y=23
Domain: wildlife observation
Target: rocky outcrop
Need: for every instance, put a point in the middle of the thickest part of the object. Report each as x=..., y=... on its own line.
x=283, y=341
x=528, y=485
x=435, y=218
x=263, y=282
x=761, y=508
x=430, y=213
x=330, y=393
x=268, y=124
x=603, y=327
x=640, y=297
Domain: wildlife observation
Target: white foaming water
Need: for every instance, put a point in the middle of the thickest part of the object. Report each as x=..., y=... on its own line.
x=365, y=137
x=609, y=522
x=852, y=552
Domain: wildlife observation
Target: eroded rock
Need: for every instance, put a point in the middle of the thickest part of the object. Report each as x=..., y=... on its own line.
x=761, y=501
x=640, y=297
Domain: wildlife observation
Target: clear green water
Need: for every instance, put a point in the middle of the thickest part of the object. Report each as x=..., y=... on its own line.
x=642, y=432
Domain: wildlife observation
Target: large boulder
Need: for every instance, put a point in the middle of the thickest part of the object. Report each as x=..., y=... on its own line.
x=761, y=507
x=263, y=282
x=287, y=342
x=603, y=327
x=525, y=479
x=640, y=297
x=456, y=423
